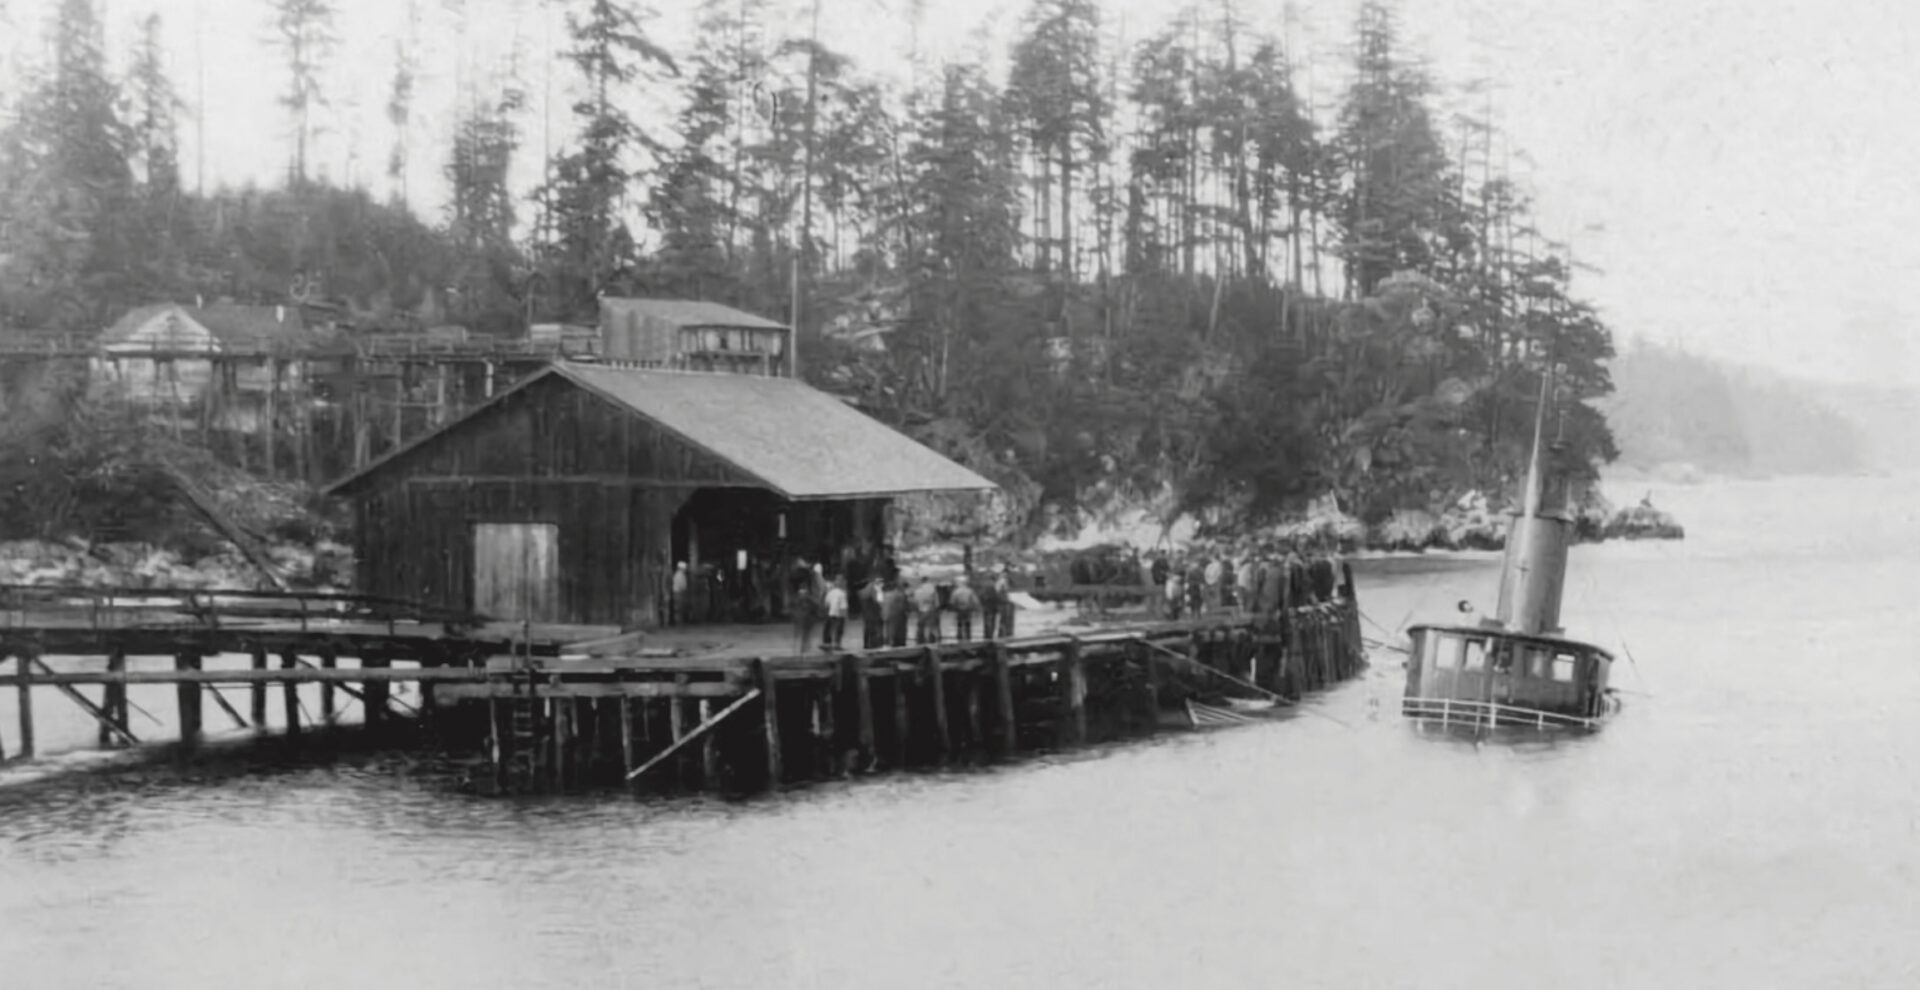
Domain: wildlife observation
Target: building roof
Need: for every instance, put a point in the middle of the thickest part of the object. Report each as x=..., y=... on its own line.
x=794, y=439
x=692, y=313
x=235, y=327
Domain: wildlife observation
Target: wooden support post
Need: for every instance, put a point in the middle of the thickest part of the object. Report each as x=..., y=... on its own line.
x=677, y=724
x=562, y=727
x=937, y=682
x=827, y=757
x=1004, y=718
x=976, y=732
x=770, y=718
x=328, y=661
x=374, y=694
x=1073, y=696
x=1151, y=665
x=26, y=658
x=902, y=726
x=290, y=696
x=187, y=694
x=626, y=734
x=115, y=700
x=709, y=749
x=257, y=691
x=856, y=665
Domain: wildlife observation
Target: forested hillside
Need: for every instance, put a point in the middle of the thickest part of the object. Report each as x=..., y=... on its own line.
x=1150, y=271
x=1675, y=408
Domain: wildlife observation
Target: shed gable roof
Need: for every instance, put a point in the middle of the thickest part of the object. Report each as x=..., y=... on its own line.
x=794, y=439
x=690, y=313
x=241, y=327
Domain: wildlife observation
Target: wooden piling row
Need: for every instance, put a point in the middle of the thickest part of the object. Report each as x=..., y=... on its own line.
x=708, y=723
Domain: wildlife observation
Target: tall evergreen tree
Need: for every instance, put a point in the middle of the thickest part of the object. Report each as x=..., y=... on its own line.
x=304, y=31
x=588, y=243
x=1401, y=204
x=67, y=235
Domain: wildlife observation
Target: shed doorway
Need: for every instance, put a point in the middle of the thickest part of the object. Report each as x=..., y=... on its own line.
x=516, y=571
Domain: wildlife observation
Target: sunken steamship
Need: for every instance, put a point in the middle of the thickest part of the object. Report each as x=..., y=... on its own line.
x=1517, y=668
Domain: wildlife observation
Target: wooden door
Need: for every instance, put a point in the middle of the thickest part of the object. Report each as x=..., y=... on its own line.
x=516, y=571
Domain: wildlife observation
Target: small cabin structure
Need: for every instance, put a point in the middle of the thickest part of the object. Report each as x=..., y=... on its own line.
x=572, y=496
x=1487, y=674
x=691, y=335
x=239, y=358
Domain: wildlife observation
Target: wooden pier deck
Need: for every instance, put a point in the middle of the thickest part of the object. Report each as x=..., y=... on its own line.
x=558, y=707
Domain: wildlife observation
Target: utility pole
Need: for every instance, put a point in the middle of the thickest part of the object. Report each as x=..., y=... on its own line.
x=806, y=188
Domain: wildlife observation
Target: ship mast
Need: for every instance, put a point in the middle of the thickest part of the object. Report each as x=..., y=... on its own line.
x=1534, y=573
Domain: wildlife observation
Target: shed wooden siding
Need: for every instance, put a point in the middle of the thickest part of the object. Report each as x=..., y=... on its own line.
x=550, y=453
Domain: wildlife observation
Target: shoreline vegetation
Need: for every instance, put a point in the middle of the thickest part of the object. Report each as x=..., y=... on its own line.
x=1099, y=271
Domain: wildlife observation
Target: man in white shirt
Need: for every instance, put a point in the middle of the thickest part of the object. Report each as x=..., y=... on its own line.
x=836, y=614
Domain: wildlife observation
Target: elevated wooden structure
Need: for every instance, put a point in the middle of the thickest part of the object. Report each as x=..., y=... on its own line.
x=566, y=707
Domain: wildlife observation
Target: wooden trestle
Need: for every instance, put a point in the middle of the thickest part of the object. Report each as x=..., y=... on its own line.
x=558, y=717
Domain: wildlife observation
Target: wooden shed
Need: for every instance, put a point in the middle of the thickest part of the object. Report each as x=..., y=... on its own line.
x=572, y=496
x=692, y=335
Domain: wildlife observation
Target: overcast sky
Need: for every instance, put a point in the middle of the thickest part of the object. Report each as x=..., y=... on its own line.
x=1742, y=173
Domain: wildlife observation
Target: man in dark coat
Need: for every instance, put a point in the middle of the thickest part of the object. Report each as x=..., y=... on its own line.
x=873, y=633
x=990, y=604
x=893, y=608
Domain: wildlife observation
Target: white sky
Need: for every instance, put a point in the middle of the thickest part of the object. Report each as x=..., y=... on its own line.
x=1751, y=162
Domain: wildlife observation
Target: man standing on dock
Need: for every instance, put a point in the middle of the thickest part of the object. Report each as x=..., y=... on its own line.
x=964, y=603
x=990, y=604
x=926, y=603
x=893, y=605
x=836, y=614
x=873, y=630
x=679, y=616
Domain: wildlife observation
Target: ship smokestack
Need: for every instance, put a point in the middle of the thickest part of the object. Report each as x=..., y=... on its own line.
x=1533, y=576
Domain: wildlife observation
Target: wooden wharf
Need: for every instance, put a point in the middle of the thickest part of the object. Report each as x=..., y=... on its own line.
x=565, y=707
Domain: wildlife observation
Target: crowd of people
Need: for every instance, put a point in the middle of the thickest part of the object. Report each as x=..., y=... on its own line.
x=1248, y=579
x=889, y=604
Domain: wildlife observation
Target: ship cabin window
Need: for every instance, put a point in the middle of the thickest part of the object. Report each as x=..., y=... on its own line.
x=1444, y=651
x=1539, y=663
x=1476, y=659
x=1564, y=666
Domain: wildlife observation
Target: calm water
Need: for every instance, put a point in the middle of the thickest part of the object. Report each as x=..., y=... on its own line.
x=1752, y=823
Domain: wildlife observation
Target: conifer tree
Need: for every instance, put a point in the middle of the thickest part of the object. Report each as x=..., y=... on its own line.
x=304, y=31
x=588, y=242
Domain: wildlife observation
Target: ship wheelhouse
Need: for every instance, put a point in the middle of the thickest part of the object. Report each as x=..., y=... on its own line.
x=1488, y=675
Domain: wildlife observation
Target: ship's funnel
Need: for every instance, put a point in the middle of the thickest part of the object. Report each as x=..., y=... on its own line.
x=1534, y=574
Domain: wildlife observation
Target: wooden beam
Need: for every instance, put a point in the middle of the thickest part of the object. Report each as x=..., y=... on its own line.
x=102, y=714
x=303, y=674
x=608, y=480
x=445, y=693
x=221, y=700
x=204, y=504
x=705, y=726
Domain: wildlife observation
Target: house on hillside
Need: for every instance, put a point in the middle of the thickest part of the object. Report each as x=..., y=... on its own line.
x=572, y=496
x=169, y=355
x=691, y=335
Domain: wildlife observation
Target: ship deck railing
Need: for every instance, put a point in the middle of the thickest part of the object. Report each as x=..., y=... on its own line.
x=1462, y=711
